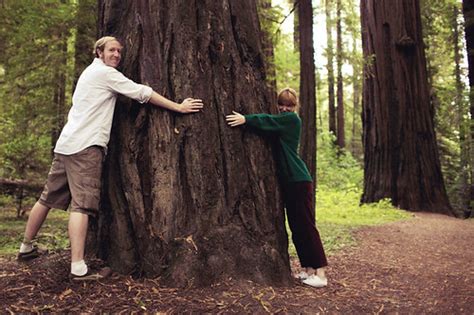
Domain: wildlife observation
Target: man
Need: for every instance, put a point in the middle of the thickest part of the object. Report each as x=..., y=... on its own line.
x=74, y=178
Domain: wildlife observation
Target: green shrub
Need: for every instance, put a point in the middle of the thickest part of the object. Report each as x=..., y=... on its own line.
x=336, y=169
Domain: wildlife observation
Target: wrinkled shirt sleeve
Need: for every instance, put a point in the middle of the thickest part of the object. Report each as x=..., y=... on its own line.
x=120, y=84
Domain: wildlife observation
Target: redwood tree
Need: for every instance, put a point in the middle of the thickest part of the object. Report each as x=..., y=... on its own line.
x=186, y=197
x=307, y=95
x=401, y=157
x=468, y=12
x=341, y=135
x=460, y=109
x=330, y=68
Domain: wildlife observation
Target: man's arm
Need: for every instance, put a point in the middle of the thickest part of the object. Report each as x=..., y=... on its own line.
x=189, y=105
x=119, y=83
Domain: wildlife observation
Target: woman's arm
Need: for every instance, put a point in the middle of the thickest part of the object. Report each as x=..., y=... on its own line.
x=266, y=122
x=235, y=119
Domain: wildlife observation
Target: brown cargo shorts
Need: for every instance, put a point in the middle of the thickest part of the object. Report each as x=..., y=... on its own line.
x=75, y=179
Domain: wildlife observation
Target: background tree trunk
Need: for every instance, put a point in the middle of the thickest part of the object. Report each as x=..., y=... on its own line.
x=307, y=93
x=356, y=87
x=401, y=157
x=330, y=68
x=460, y=111
x=86, y=30
x=187, y=197
x=296, y=26
x=341, y=137
x=468, y=11
x=59, y=96
x=267, y=46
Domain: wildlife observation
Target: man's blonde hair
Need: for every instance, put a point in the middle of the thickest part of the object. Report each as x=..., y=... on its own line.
x=287, y=97
x=100, y=44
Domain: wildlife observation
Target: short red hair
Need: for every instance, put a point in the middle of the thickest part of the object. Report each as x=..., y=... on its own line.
x=287, y=97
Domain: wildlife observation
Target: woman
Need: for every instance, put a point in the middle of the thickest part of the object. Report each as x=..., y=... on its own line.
x=296, y=182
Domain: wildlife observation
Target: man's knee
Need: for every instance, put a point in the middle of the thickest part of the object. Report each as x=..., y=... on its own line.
x=88, y=212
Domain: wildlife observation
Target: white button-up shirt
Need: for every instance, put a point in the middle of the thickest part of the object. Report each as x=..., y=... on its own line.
x=93, y=103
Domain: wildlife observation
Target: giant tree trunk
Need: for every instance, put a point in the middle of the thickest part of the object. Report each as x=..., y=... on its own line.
x=187, y=197
x=307, y=86
x=330, y=68
x=401, y=157
x=468, y=12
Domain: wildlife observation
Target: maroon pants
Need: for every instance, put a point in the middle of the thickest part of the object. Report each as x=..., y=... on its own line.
x=298, y=197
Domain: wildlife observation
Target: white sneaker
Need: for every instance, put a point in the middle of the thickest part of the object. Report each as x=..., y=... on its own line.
x=316, y=281
x=302, y=275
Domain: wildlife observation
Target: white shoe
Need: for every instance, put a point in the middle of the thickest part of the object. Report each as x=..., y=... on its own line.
x=302, y=275
x=316, y=281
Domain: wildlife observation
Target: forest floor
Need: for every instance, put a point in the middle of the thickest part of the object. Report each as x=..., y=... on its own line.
x=423, y=265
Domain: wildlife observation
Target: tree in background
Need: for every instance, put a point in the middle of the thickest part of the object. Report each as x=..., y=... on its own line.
x=185, y=198
x=460, y=105
x=355, y=59
x=330, y=68
x=85, y=31
x=307, y=93
x=341, y=134
x=267, y=17
x=441, y=33
x=287, y=63
x=59, y=85
x=296, y=25
x=468, y=12
x=33, y=83
x=401, y=157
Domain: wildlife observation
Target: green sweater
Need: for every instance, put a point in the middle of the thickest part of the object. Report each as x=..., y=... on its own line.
x=288, y=127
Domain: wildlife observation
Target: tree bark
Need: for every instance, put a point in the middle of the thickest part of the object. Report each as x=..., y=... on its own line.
x=267, y=45
x=356, y=147
x=341, y=137
x=330, y=68
x=460, y=111
x=468, y=12
x=401, y=156
x=188, y=198
x=307, y=87
x=296, y=26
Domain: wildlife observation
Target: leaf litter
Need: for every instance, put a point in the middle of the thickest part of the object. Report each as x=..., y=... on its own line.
x=419, y=266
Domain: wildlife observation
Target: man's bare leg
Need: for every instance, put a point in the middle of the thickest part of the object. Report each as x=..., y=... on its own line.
x=77, y=236
x=36, y=218
x=38, y=214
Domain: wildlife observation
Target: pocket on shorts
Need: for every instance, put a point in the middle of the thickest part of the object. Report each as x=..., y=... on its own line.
x=88, y=162
x=91, y=194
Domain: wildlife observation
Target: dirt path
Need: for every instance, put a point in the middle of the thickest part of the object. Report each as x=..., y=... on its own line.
x=419, y=266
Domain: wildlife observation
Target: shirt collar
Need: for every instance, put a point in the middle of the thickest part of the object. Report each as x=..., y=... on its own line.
x=98, y=61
